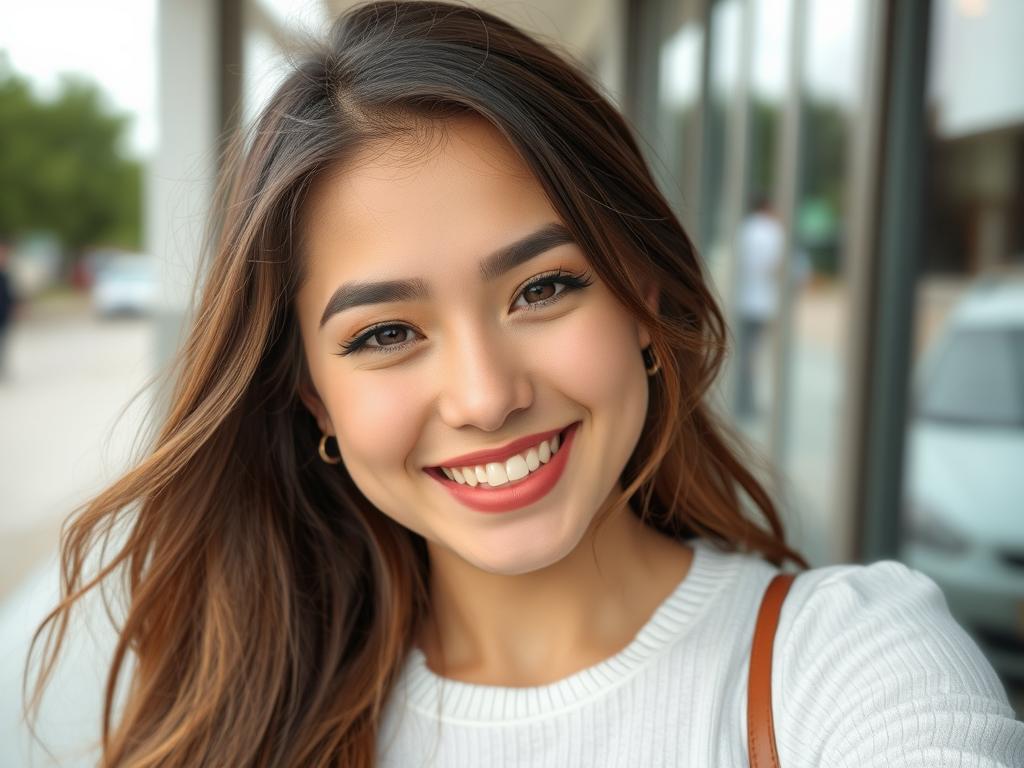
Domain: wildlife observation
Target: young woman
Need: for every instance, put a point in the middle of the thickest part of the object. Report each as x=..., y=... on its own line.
x=438, y=483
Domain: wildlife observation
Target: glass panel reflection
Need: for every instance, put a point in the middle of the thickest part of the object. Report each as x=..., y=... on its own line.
x=963, y=516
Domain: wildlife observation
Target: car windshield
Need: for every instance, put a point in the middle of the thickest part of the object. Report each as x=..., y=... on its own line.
x=978, y=379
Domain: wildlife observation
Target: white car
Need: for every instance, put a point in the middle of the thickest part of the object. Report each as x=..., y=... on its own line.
x=125, y=285
x=964, y=492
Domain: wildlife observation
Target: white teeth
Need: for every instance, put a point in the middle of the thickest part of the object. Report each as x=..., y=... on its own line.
x=544, y=453
x=497, y=473
x=532, y=460
x=517, y=468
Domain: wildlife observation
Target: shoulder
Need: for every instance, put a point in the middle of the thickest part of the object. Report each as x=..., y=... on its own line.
x=869, y=591
x=871, y=669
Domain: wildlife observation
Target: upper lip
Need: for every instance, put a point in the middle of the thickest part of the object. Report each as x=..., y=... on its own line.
x=499, y=454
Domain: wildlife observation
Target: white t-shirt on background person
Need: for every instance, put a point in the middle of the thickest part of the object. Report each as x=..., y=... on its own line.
x=761, y=241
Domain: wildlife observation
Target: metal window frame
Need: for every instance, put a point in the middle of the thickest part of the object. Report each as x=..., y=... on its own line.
x=883, y=348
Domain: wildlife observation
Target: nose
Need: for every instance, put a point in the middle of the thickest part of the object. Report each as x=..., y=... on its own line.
x=483, y=380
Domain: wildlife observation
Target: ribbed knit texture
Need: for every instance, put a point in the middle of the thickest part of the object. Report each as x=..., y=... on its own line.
x=869, y=669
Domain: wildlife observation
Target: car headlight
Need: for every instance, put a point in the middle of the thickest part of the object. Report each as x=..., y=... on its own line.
x=923, y=525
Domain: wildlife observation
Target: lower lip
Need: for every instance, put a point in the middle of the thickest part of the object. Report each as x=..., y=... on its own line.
x=506, y=498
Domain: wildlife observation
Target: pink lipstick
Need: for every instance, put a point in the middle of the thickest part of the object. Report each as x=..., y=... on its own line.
x=517, y=494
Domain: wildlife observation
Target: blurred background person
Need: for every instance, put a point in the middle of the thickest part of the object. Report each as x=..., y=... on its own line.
x=759, y=260
x=8, y=305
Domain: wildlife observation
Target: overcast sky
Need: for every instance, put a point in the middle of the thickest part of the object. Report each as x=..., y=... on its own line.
x=109, y=41
x=113, y=42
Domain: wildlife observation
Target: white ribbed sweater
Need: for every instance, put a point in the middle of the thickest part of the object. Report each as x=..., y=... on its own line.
x=869, y=669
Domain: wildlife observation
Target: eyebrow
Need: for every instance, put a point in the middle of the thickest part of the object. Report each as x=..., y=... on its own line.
x=506, y=258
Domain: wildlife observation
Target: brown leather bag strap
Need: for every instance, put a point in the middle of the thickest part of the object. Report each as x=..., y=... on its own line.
x=760, y=728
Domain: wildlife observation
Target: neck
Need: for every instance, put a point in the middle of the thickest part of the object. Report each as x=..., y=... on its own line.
x=541, y=626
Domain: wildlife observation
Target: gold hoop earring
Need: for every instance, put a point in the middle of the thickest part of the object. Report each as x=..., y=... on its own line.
x=651, y=363
x=323, y=452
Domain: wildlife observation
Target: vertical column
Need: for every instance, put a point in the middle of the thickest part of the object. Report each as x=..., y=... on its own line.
x=888, y=352
x=705, y=222
x=734, y=197
x=861, y=265
x=230, y=68
x=611, y=45
x=787, y=195
x=180, y=183
x=199, y=75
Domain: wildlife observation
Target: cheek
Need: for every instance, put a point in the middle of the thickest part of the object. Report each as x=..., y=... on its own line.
x=376, y=417
x=596, y=355
x=379, y=421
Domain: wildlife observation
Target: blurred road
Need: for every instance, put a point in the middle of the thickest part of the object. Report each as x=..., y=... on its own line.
x=64, y=437
x=69, y=376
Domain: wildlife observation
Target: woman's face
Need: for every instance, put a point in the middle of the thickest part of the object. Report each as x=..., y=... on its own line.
x=466, y=357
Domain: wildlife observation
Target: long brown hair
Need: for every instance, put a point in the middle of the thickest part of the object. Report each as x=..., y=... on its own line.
x=268, y=605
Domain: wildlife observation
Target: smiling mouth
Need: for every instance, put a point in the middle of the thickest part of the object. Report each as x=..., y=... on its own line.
x=439, y=473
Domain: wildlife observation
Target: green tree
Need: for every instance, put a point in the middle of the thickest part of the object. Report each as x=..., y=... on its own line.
x=63, y=168
x=824, y=143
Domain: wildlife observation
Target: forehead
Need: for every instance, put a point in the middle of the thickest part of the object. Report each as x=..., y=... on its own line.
x=455, y=190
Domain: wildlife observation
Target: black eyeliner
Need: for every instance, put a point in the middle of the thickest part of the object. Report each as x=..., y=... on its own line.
x=571, y=281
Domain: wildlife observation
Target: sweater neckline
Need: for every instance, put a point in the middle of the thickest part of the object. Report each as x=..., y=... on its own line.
x=454, y=700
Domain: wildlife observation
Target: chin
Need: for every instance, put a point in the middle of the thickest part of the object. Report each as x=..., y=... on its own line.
x=508, y=558
x=516, y=567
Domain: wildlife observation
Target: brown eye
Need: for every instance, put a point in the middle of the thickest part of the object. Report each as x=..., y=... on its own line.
x=548, y=289
x=385, y=338
x=540, y=291
x=391, y=335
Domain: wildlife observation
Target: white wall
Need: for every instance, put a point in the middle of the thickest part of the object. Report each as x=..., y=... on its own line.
x=977, y=60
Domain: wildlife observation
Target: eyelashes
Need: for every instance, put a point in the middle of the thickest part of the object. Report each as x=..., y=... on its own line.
x=359, y=344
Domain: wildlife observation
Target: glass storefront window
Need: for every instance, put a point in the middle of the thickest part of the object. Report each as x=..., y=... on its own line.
x=797, y=102
x=833, y=62
x=963, y=489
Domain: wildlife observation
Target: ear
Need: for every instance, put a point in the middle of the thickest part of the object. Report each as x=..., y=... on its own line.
x=311, y=399
x=651, y=296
